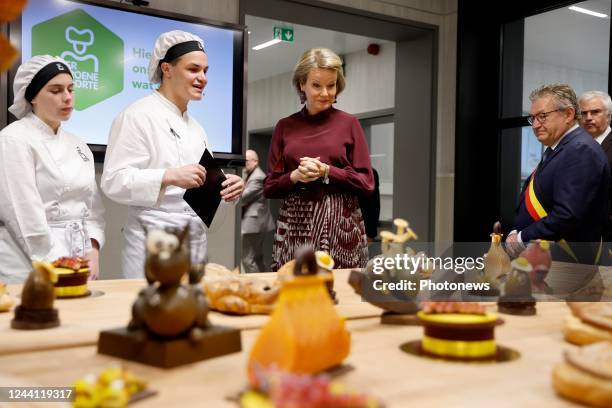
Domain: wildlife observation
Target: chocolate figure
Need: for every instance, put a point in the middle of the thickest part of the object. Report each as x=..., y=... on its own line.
x=517, y=296
x=37, y=296
x=310, y=262
x=167, y=308
x=169, y=325
x=399, y=307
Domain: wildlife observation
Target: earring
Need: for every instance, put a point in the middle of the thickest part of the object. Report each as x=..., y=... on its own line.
x=302, y=97
x=335, y=100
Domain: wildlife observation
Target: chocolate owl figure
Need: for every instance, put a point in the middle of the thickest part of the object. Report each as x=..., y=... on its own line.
x=168, y=308
x=169, y=325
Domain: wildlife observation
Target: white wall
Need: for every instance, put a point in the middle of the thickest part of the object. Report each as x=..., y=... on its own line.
x=370, y=81
x=537, y=73
x=369, y=86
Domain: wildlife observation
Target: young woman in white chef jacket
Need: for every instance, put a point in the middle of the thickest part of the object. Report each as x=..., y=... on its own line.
x=49, y=201
x=154, y=148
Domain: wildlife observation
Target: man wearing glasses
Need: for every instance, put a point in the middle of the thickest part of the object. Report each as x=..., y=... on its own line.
x=595, y=110
x=566, y=198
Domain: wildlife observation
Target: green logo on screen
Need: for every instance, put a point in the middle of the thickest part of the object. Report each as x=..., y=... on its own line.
x=95, y=54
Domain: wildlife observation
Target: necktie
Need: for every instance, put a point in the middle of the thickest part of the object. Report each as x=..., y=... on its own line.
x=545, y=155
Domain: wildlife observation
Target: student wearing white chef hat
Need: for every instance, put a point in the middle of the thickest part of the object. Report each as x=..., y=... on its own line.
x=50, y=205
x=154, y=150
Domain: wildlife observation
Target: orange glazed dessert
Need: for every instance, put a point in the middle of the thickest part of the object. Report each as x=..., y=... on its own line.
x=305, y=334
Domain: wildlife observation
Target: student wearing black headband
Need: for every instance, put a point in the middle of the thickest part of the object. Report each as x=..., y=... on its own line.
x=154, y=148
x=50, y=205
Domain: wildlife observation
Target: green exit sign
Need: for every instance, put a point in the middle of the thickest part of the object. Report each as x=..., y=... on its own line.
x=283, y=34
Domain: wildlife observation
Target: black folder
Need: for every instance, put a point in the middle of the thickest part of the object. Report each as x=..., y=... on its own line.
x=204, y=200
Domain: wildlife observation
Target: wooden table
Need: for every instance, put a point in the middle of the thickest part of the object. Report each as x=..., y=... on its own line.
x=380, y=368
x=57, y=357
x=82, y=319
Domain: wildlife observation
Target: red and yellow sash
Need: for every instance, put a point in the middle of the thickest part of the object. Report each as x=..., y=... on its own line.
x=537, y=212
x=534, y=207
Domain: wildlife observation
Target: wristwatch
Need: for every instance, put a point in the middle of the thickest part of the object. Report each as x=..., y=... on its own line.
x=326, y=176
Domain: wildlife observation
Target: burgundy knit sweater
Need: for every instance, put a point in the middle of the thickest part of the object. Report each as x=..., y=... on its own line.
x=334, y=136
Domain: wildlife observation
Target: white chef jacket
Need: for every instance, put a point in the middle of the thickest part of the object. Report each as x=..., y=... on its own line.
x=148, y=137
x=50, y=205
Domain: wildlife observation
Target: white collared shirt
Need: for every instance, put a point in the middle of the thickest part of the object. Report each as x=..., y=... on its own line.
x=599, y=139
x=46, y=178
x=148, y=137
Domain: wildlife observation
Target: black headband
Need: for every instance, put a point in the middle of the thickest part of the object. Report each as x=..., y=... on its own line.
x=47, y=73
x=180, y=49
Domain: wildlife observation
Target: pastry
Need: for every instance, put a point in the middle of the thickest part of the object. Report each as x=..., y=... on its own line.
x=585, y=375
x=214, y=270
x=458, y=330
x=6, y=301
x=230, y=292
x=72, y=274
x=241, y=294
x=588, y=323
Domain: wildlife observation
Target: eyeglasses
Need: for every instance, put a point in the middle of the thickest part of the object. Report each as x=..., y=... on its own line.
x=541, y=117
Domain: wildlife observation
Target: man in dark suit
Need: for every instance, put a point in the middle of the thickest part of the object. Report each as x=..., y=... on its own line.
x=595, y=111
x=256, y=217
x=566, y=197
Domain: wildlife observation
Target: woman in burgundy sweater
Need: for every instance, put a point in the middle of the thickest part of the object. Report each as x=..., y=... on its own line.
x=319, y=164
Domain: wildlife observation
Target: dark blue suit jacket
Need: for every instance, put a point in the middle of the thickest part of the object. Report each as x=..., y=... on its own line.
x=572, y=185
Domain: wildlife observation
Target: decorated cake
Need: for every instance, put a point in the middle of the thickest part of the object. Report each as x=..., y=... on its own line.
x=72, y=274
x=458, y=330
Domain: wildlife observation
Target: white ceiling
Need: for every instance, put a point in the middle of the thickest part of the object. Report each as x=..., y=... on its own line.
x=282, y=57
x=567, y=38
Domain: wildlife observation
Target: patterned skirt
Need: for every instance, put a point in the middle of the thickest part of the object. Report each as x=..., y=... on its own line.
x=333, y=224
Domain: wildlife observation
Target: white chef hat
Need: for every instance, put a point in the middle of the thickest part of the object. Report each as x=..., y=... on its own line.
x=168, y=47
x=31, y=77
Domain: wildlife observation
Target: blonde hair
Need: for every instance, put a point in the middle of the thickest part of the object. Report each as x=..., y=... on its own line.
x=322, y=58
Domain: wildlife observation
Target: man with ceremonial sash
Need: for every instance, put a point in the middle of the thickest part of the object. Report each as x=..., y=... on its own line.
x=566, y=197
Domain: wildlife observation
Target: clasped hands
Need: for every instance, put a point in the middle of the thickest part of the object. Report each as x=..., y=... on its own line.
x=310, y=169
